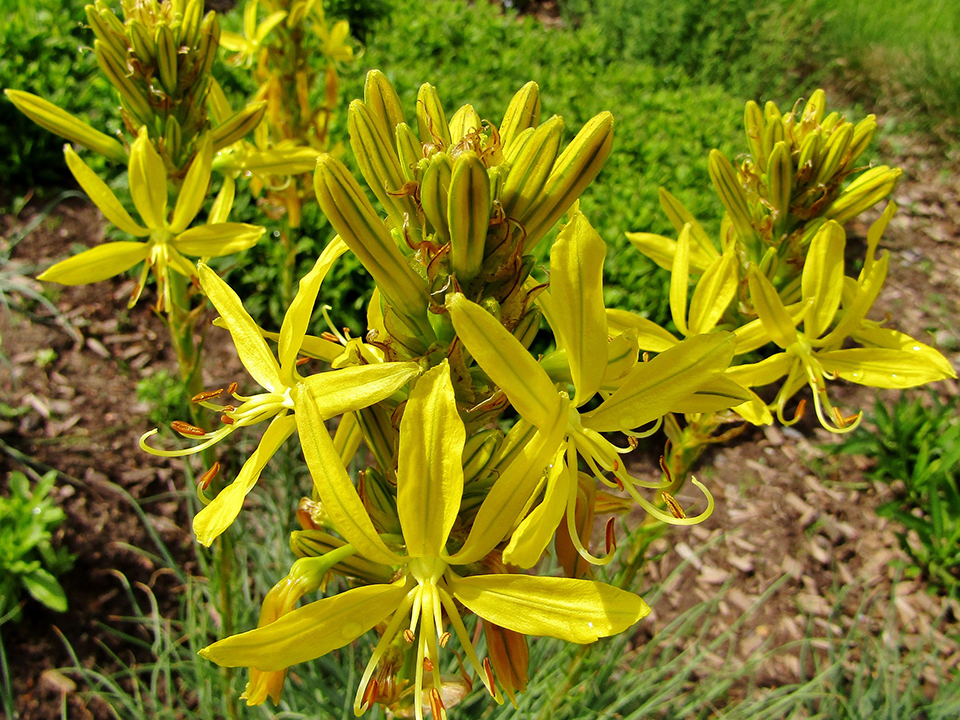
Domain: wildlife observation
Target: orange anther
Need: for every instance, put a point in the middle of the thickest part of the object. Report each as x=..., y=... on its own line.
x=428, y=664
x=187, y=429
x=436, y=704
x=409, y=635
x=611, y=538
x=673, y=506
x=444, y=639
x=489, y=672
x=206, y=395
x=226, y=420
x=801, y=409
x=302, y=361
x=232, y=388
x=209, y=475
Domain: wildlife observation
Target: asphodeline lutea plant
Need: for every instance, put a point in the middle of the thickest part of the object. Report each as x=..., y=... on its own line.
x=158, y=59
x=284, y=51
x=458, y=502
x=777, y=276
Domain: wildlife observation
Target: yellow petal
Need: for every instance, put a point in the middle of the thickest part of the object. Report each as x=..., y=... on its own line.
x=468, y=215
x=579, y=611
x=298, y=315
x=702, y=251
x=218, y=240
x=505, y=360
x=95, y=264
x=758, y=374
x=358, y=386
x=102, y=195
x=754, y=334
x=148, y=181
x=310, y=631
x=340, y=499
x=429, y=470
x=822, y=278
x=650, y=336
x=774, y=316
x=216, y=517
x=510, y=494
x=251, y=347
x=715, y=289
x=679, y=280
x=576, y=291
x=881, y=367
x=194, y=189
x=866, y=294
x=886, y=338
x=718, y=394
x=652, y=388
x=534, y=533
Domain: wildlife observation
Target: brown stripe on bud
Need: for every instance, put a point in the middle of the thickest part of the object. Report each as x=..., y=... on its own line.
x=185, y=428
x=209, y=475
x=206, y=395
x=610, y=537
x=673, y=506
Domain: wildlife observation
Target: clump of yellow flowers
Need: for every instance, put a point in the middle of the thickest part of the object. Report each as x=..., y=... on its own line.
x=458, y=456
x=471, y=454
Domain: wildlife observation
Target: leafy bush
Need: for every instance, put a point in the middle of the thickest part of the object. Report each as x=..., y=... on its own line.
x=918, y=443
x=28, y=560
x=754, y=48
x=46, y=51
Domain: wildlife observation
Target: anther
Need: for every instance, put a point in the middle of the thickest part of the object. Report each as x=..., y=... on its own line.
x=801, y=409
x=428, y=664
x=436, y=704
x=232, y=388
x=646, y=356
x=209, y=475
x=673, y=506
x=409, y=636
x=226, y=420
x=187, y=429
x=371, y=694
x=841, y=421
x=616, y=465
x=327, y=335
x=491, y=681
x=665, y=469
x=444, y=639
x=302, y=361
x=206, y=395
x=610, y=537
x=633, y=442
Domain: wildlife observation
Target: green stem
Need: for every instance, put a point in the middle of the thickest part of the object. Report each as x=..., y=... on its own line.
x=224, y=563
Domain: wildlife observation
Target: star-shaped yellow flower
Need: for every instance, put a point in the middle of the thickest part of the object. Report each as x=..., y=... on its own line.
x=168, y=238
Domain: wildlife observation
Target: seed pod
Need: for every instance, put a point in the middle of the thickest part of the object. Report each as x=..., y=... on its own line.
x=731, y=193
x=780, y=180
x=238, y=125
x=753, y=123
x=435, y=193
x=431, y=122
x=166, y=58
x=409, y=151
x=383, y=102
x=530, y=168
x=464, y=121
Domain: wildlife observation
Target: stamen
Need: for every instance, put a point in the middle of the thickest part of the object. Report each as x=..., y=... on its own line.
x=428, y=664
x=633, y=442
x=409, y=636
x=206, y=395
x=488, y=669
x=610, y=537
x=371, y=694
x=646, y=356
x=801, y=409
x=232, y=388
x=665, y=469
x=673, y=505
x=436, y=704
x=209, y=475
x=327, y=335
x=444, y=639
x=226, y=420
x=302, y=361
x=185, y=428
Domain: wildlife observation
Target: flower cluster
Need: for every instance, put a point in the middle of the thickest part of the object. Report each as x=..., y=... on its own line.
x=457, y=499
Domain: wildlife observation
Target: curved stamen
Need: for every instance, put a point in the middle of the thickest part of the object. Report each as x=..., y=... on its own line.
x=359, y=704
x=571, y=515
x=644, y=433
x=668, y=518
x=212, y=439
x=463, y=636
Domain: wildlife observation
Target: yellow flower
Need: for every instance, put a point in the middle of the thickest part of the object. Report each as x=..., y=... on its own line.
x=429, y=490
x=168, y=238
x=633, y=397
x=333, y=392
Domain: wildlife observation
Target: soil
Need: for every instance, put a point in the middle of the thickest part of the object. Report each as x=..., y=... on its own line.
x=775, y=517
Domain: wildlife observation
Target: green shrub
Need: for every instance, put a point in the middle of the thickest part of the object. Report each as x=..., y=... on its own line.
x=918, y=443
x=28, y=560
x=46, y=51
